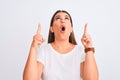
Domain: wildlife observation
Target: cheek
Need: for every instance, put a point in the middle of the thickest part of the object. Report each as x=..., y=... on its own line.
x=56, y=25
x=70, y=29
x=69, y=24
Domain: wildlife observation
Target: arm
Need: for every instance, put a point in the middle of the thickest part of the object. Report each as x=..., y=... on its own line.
x=33, y=68
x=89, y=69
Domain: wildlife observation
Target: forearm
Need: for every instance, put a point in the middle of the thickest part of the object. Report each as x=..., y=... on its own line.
x=31, y=68
x=90, y=67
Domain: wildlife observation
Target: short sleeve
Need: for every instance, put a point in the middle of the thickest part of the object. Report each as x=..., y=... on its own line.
x=82, y=58
x=41, y=55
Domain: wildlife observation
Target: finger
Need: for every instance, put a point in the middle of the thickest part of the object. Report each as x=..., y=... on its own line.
x=39, y=28
x=85, y=29
x=43, y=40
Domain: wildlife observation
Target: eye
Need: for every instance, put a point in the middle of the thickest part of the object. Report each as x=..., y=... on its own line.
x=66, y=18
x=57, y=18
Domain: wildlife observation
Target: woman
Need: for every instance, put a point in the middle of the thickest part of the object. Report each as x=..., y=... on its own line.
x=61, y=58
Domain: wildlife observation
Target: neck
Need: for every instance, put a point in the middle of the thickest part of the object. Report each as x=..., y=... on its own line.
x=61, y=43
x=62, y=46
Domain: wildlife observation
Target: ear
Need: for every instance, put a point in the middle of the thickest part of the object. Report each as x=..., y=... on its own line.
x=51, y=29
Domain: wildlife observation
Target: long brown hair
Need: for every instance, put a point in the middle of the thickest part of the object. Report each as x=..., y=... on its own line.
x=51, y=36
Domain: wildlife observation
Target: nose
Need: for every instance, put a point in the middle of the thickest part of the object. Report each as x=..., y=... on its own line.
x=62, y=20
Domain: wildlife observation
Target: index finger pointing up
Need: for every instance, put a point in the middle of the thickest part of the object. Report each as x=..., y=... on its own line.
x=39, y=28
x=85, y=29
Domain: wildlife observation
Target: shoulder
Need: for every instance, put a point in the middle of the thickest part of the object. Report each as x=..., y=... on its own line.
x=44, y=46
x=79, y=47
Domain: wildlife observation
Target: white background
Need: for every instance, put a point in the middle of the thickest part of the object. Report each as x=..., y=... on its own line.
x=18, y=24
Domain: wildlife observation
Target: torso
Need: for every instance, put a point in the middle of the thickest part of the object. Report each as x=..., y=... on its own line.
x=60, y=66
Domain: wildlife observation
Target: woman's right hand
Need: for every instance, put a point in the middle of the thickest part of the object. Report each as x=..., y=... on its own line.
x=37, y=38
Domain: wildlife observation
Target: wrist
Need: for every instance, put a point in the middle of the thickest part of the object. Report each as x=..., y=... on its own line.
x=90, y=49
x=34, y=46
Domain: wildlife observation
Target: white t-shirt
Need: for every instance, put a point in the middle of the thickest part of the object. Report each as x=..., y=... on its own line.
x=59, y=66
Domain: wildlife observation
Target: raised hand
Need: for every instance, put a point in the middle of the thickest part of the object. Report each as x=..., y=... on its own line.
x=86, y=39
x=37, y=39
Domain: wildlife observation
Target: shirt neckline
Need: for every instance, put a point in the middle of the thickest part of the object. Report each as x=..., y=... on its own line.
x=58, y=53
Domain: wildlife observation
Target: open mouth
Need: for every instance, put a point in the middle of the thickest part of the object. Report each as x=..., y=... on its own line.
x=63, y=28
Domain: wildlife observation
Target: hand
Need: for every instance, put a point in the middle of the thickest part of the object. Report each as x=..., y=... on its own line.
x=86, y=39
x=37, y=39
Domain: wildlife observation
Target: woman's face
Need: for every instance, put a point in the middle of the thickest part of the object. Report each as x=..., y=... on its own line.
x=61, y=26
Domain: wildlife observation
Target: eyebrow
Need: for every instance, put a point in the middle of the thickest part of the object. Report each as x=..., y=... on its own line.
x=64, y=16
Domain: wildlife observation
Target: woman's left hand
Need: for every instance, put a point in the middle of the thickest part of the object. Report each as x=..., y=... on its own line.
x=86, y=38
